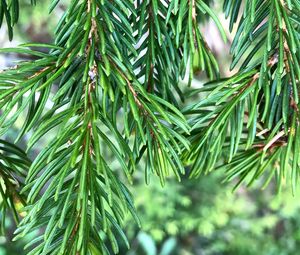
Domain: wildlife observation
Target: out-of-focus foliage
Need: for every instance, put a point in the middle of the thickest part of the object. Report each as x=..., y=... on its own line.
x=19, y=16
x=36, y=23
x=204, y=217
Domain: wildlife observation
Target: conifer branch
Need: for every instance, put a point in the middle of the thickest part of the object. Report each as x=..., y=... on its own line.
x=262, y=96
x=85, y=201
x=110, y=77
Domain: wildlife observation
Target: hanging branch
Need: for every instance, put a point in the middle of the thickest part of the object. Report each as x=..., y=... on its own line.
x=74, y=192
x=84, y=197
x=107, y=87
x=158, y=61
x=262, y=97
x=196, y=55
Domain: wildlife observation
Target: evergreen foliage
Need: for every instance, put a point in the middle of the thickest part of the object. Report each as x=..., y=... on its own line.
x=111, y=75
x=253, y=117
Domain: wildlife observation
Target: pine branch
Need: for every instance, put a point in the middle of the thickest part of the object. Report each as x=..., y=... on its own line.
x=169, y=43
x=85, y=197
x=74, y=192
x=111, y=74
x=263, y=95
x=158, y=64
x=196, y=55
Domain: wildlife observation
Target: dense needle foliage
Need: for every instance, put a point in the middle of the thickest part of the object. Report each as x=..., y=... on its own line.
x=112, y=76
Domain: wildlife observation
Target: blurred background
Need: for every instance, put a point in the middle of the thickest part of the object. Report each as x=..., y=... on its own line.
x=194, y=217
